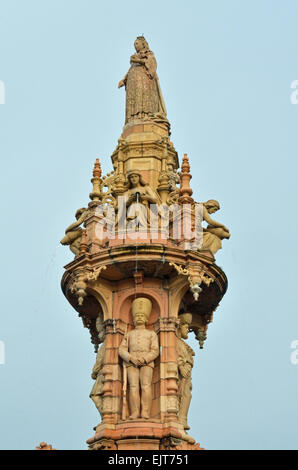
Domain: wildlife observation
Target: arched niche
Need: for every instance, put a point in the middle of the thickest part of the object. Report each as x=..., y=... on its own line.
x=177, y=291
x=125, y=308
x=104, y=298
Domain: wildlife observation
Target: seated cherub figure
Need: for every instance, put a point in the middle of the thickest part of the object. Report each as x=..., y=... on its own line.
x=215, y=231
x=73, y=233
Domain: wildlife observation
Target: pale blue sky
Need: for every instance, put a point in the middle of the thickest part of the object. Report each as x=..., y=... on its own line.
x=225, y=70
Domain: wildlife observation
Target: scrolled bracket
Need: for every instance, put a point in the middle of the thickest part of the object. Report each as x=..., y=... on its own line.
x=196, y=276
x=81, y=278
x=94, y=274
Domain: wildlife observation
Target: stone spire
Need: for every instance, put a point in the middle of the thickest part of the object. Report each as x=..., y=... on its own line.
x=96, y=181
x=131, y=281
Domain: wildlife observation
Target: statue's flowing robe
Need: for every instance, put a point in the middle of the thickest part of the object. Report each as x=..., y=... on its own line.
x=212, y=237
x=185, y=363
x=140, y=214
x=144, y=99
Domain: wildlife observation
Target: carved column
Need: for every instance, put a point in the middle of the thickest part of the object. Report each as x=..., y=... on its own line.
x=168, y=369
x=112, y=374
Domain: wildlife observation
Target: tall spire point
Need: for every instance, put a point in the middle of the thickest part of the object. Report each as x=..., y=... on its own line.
x=97, y=169
x=185, y=177
x=96, y=181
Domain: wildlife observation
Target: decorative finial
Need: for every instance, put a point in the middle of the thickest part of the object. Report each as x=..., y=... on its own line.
x=185, y=167
x=97, y=169
x=185, y=177
x=96, y=181
x=201, y=336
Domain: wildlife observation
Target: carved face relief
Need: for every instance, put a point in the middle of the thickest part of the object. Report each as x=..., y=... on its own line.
x=212, y=209
x=134, y=179
x=140, y=318
x=185, y=322
x=141, y=309
x=184, y=328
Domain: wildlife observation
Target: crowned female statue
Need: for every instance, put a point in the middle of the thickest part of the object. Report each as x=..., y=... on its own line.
x=144, y=100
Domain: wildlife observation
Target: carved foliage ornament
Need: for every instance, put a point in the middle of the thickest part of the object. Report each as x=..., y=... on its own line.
x=196, y=275
x=78, y=285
